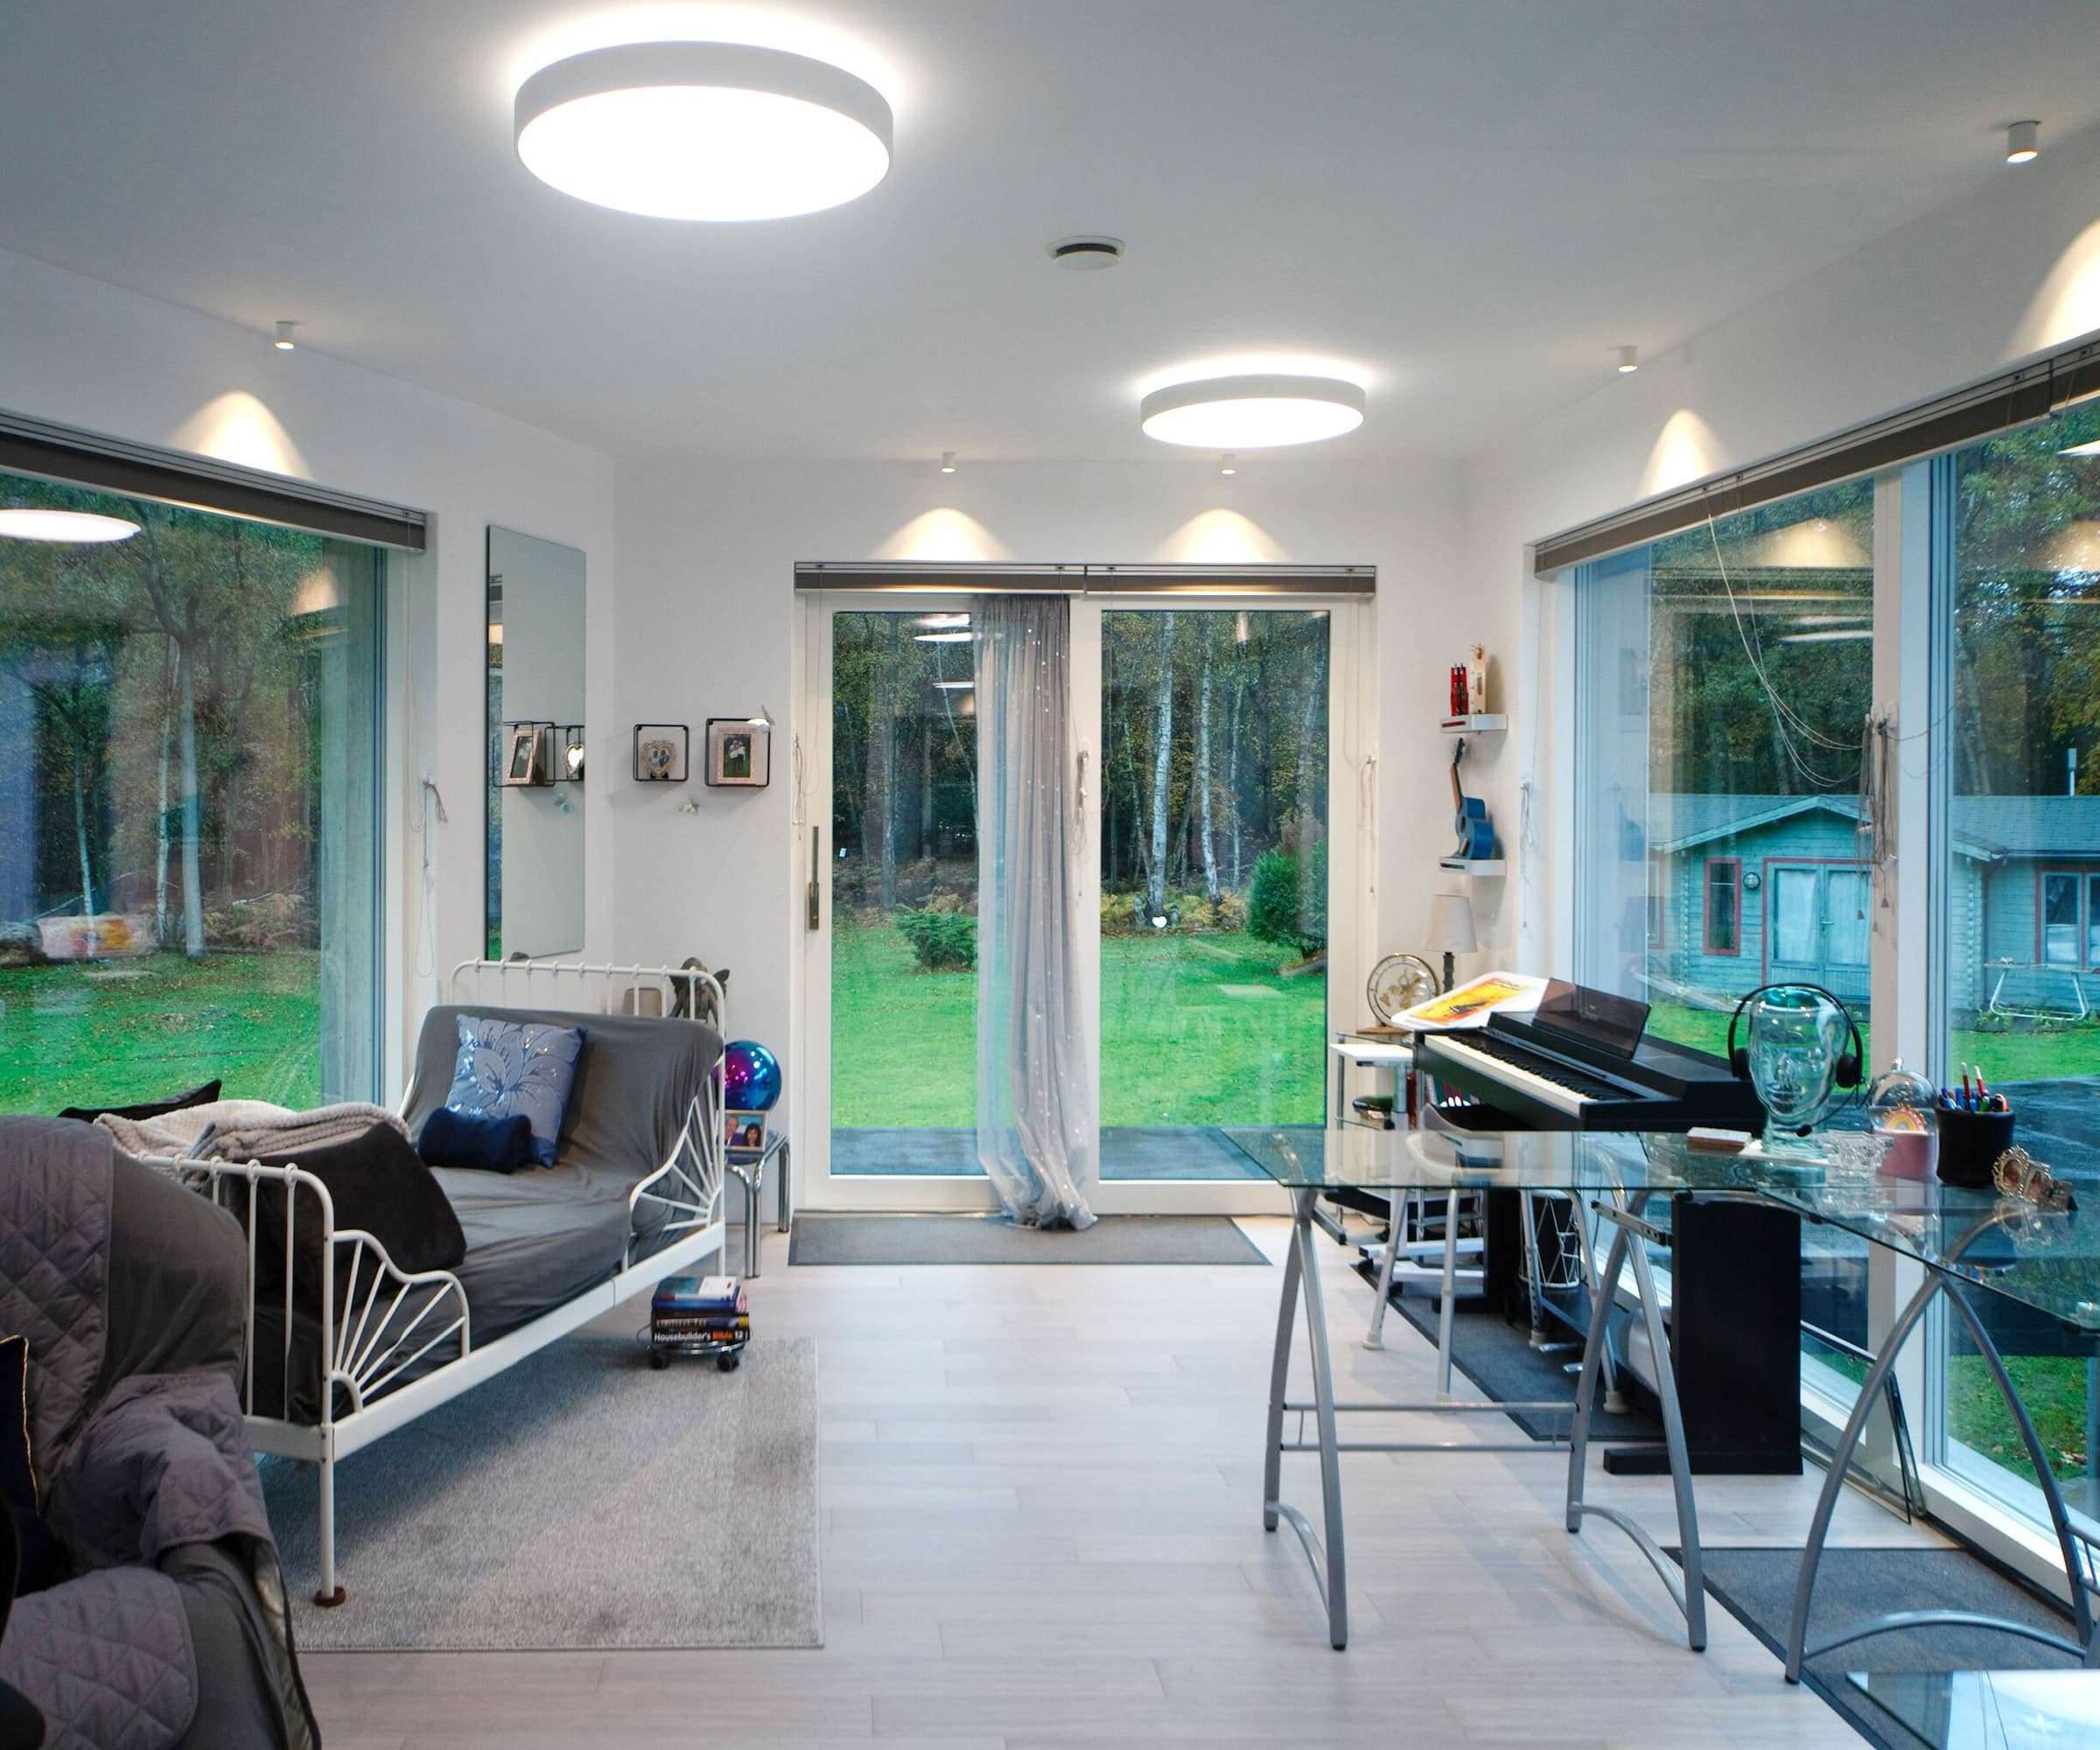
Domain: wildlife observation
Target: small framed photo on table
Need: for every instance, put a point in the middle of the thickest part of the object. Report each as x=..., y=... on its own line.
x=739, y=753
x=746, y=1136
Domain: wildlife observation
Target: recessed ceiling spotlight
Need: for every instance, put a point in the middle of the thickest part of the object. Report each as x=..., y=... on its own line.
x=948, y=461
x=284, y=343
x=702, y=130
x=1629, y=361
x=1086, y=255
x=1228, y=463
x=1252, y=412
x=76, y=528
x=2023, y=143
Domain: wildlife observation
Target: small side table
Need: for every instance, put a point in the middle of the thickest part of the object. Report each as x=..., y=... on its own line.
x=752, y=1173
x=1383, y=1053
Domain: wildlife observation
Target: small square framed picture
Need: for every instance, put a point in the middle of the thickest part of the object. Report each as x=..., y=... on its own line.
x=746, y=1136
x=661, y=752
x=739, y=753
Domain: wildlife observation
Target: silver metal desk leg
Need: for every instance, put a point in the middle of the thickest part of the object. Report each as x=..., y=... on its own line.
x=1279, y=1379
x=752, y=1189
x=784, y=1205
x=1301, y=1276
x=1451, y=1294
x=1395, y=1225
x=2086, y=1647
x=1687, y=1584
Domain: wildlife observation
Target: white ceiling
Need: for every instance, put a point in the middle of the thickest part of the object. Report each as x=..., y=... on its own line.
x=1464, y=203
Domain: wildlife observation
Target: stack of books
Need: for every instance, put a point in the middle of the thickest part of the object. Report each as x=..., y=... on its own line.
x=710, y=1309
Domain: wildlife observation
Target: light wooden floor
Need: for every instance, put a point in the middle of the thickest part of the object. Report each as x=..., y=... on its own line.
x=1041, y=1494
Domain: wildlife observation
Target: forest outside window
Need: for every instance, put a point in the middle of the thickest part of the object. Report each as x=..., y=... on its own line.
x=189, y=826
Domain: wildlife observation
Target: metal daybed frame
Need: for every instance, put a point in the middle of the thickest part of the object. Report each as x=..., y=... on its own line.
x=391, y=1320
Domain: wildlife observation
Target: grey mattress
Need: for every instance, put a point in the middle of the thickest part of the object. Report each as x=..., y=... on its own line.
x=539, y=1237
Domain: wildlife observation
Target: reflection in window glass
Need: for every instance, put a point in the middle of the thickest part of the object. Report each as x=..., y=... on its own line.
x=1723, y=677
x=188, y=820
x=2019, y=917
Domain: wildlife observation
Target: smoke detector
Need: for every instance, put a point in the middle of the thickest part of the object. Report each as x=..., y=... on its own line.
x=1086, y=255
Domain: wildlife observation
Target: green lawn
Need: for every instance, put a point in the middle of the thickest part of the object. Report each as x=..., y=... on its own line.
x=1196, y=1030
x=128, y=1030
x=2039, y=1055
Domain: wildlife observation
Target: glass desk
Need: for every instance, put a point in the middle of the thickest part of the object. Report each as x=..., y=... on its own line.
x=2049, y=1260
x=1989, y=1710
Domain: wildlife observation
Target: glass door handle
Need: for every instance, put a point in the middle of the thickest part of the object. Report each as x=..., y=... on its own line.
x=816, y=921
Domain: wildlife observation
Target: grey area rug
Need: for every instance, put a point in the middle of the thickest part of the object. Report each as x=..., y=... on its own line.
x=993, y=1239
x=1756, y=1586
x=1498, y=1357
x=579, y=1500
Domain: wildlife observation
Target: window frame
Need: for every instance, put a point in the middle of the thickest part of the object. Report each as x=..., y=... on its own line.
x=2083, y=876
x=1708, y=865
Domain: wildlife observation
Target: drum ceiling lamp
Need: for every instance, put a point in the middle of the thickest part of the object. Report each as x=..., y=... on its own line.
x=74, y=527
x=721, y=131
x=1262, y=412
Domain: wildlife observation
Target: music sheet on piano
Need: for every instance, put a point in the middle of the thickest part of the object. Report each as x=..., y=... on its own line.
x=1469, y=1004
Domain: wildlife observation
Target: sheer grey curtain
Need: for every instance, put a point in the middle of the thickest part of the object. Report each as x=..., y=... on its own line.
x=1035, y=1118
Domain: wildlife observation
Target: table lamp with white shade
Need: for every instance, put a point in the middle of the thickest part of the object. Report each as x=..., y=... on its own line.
x=1451, y=930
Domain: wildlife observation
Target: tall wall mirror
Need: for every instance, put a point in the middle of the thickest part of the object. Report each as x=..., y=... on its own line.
x=536, y=778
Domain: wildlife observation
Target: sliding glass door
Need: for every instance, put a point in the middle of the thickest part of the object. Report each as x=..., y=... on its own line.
x=1206, y=867
x=1214, y=868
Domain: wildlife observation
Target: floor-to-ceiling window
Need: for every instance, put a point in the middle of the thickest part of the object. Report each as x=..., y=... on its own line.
x=189, y=809
x=1723, y=677
x=2016, y=868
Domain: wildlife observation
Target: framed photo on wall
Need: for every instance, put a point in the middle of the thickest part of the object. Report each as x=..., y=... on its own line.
x=739, y=753
x=526, y=753
x=661, y=752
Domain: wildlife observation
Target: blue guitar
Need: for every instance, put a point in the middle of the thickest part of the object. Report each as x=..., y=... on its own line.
x=1476, y=834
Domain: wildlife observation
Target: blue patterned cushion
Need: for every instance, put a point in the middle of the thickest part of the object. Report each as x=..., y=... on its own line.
x=516, y=1068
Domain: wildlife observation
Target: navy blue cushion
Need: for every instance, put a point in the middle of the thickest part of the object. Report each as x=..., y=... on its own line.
x=489, y=1145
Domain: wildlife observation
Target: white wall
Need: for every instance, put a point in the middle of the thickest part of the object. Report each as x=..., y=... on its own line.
x=2005, y=272
x=94, y=355
x=705, y=627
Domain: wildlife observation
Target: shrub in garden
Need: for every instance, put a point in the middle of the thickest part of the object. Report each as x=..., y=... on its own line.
x=1287, y=900
x=943, y=938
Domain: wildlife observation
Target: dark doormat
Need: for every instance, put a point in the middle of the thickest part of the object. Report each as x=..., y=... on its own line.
x=993, y=1239
x=1756, y=1586
x=1498, y=1357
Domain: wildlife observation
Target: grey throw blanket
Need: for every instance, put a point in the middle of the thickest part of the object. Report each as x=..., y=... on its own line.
x=132, y=1470
x=242, y=1130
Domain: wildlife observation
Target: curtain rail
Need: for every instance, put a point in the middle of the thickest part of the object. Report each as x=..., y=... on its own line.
x=115, y=464
x=968, y=579
x=2000, y=403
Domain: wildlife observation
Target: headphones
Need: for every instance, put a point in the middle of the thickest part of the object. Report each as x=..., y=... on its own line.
x=1851, y=1064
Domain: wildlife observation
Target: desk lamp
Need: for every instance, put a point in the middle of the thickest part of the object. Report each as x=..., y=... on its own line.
x=1451, y=930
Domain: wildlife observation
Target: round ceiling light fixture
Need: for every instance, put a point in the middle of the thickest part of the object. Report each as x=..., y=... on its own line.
x=2023, y=143
x=722, y=131
x=74, y=527
x=1262, y=412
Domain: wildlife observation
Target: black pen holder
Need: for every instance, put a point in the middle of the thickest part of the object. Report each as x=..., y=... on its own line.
x=1969, y=1145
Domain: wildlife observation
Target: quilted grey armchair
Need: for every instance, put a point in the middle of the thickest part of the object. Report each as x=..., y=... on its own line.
x=171, y=1632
